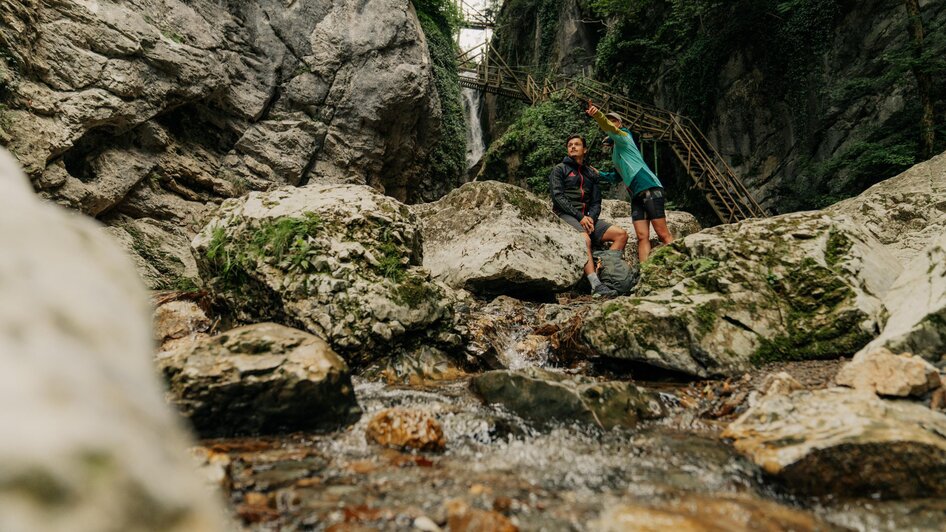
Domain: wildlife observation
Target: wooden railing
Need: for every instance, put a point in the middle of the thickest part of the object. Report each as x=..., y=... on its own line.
x=729, y=198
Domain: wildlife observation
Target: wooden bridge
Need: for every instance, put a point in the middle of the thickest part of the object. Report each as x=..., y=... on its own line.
x=475, y=19
x=484, y=69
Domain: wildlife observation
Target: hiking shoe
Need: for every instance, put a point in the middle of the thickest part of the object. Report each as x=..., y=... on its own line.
x=603, y=290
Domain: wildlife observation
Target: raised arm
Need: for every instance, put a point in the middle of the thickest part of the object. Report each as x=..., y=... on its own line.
x=603, y=122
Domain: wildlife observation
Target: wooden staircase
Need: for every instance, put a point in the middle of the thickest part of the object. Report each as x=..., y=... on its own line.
x=485, y=70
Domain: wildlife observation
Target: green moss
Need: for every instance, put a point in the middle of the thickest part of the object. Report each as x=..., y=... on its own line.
x=529, y=207
x=815, y=327
x=837, y=247
x=705, y=318
x=415, y=291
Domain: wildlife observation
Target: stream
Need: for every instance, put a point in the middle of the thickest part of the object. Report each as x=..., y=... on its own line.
x=564, y=477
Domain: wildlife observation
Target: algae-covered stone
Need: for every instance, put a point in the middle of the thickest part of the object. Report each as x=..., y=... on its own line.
x=543, y=397
x=494, y=238
x=339, y=261
x=261, y=378
x=845, y=441
x=800, y=286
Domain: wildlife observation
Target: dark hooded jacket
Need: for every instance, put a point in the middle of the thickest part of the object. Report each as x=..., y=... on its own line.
x=575, y=190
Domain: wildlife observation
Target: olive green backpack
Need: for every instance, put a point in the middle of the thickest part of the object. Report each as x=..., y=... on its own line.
x=614, y=272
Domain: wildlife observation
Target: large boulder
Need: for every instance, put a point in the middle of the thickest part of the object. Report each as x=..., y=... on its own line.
x=259, y=379
x=149, y=110
x=89, y=443
x=906, y=213
x=798, y=286
x=493, y=238
x=917, y=306
x=544, y=397
x=339, y=261
x=845, y=441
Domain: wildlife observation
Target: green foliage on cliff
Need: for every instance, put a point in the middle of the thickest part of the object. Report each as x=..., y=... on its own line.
x=446, y=163
x=515, y=31
x=537, y=139
x=699, y=37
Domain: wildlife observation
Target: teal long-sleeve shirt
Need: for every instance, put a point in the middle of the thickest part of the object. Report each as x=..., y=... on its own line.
x=627, y=158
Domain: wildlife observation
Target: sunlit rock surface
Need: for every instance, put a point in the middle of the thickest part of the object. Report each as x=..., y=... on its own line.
x=545, y=397
x=89, y=443
x=845, y=441
x=259, y=379
x=141, y=113
x=797, y=286
x=917, y=306
x=492, y=238
x=339, y=261
x=880, y=371
x=906, y=213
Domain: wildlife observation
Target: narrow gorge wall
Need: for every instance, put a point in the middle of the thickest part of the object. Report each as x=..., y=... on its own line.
x=145, y=113
x=811, y=100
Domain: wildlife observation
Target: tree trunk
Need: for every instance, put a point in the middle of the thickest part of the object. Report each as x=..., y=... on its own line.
x=924, y=80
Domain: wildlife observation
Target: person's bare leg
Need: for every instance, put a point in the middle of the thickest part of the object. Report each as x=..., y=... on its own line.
x=642, y=230
x=590, y=265
x=663, y=233
x=617, y=236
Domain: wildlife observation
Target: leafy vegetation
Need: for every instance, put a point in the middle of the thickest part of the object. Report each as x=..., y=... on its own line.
x=538, y=137
x=440, y=20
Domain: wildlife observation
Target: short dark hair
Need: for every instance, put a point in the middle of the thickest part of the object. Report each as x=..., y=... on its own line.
x=583, y=143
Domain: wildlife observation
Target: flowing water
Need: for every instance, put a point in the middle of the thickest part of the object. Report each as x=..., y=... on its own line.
x=474, y=130
x=564, y=477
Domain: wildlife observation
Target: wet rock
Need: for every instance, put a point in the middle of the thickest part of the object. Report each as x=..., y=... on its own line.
x=406, y=429
x=90, y=443
x=339, y=261
x=794, y=287
x=885, y=373
x=179, y=319
x=492, y=238
x=618, y=212
x=701, y=513
x=422, y=366
x=845, y=441
x=261, y=378
x=917, y=306
x=906, y=213
x=461, y=517
x=544, y=397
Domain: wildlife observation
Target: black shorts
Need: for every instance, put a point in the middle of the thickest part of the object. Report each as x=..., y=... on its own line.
x=601, y=227
x=648, y=205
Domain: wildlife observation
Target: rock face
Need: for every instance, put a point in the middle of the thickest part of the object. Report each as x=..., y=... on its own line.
x=406, y=429
x=91, y=443
x=260, y=379
x=917, y=306
x=885, y=373
x=544, y=397
x=139, y=113
x=906, y=213
x=338, y=261
x=798, y=286
x=177, y=320
x=493, y=238
x=845, y=441
x=617, y=212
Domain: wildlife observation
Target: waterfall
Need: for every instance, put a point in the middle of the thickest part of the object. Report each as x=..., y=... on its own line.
x=474, y=131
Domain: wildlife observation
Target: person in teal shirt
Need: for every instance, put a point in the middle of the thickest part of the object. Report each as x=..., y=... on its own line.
x=647, y=194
